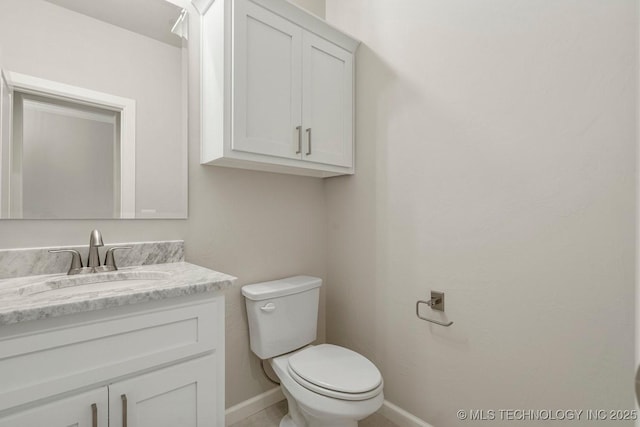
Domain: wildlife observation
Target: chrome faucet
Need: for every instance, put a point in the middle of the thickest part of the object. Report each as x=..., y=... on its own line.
x=95, y=241
x=93, y=261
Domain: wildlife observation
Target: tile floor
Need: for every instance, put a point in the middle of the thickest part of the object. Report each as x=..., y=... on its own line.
x=271, y=417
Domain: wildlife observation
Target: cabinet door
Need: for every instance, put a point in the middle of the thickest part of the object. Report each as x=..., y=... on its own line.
x=266, y=82
x=75, y=411
x=183, y=395
x=327, y=102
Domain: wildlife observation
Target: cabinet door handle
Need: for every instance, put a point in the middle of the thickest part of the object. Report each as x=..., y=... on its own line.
x=124, y=410
x=299, y=129
x=94, y=415
x=309, y=132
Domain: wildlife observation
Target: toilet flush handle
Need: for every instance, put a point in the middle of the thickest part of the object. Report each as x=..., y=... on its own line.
x=268, y=307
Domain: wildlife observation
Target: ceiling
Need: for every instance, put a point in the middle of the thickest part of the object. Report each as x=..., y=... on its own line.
x=151, y=18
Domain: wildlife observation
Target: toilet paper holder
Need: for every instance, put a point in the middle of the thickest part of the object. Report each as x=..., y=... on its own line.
x=435, y=303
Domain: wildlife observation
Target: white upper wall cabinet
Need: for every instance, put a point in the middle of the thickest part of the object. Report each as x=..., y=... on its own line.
x=277, y=89
x=267, y=76
x=327, y=106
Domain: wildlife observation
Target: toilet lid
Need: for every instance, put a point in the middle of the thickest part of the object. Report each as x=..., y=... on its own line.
x=336, y=369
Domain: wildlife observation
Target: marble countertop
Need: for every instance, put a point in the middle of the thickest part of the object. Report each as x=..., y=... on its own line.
x=40, y=297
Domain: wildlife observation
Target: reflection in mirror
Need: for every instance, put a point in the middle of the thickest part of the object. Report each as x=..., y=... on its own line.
x=68, y=141
x=93, y=109
x=84, y=141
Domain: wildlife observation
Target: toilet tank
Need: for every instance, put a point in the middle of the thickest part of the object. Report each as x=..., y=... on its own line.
x=283, y=314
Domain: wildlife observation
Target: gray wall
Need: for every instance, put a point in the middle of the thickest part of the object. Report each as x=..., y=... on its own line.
x=496, y=150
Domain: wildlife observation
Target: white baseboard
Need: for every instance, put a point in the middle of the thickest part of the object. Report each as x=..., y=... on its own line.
x=252, y=406
x=262, y=401
x=400, y=417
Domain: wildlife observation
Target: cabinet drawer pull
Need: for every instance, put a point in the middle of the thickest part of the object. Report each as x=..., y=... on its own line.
x=299, y=129
x=94, y=415
x=309, y=132
x=124, y=410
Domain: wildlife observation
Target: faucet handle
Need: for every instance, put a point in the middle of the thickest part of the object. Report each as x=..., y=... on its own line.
x=76, y=260
x=109, y=259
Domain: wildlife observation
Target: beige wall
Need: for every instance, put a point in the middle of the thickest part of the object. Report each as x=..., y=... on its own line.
x=495, y=162
x=256, y=226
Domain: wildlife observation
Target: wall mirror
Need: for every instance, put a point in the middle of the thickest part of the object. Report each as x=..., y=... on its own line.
x=93, y=109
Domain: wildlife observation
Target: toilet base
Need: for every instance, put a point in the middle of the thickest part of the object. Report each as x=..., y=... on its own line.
x=287, y=421
x=298, y=418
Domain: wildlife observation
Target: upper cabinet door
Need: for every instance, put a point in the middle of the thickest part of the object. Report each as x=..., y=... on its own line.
x=327, y=102
x=267, y=82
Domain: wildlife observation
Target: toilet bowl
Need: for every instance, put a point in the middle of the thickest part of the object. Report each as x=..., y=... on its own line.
x=325, y=385
x=322, y=407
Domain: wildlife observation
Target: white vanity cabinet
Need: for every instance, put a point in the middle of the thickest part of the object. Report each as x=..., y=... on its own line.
x=77, y=411
x=277, y=89
x=181, y=395
x=156, y=364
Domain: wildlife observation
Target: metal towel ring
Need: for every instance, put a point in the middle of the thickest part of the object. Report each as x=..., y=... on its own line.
x=436, y=303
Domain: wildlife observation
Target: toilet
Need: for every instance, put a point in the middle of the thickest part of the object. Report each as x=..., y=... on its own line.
x=325, y=385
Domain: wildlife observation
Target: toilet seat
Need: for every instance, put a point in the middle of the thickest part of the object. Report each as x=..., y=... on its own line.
x=317, y=406
x=335, y=372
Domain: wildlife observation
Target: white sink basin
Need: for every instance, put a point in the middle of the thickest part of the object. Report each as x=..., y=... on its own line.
x=94, y=282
